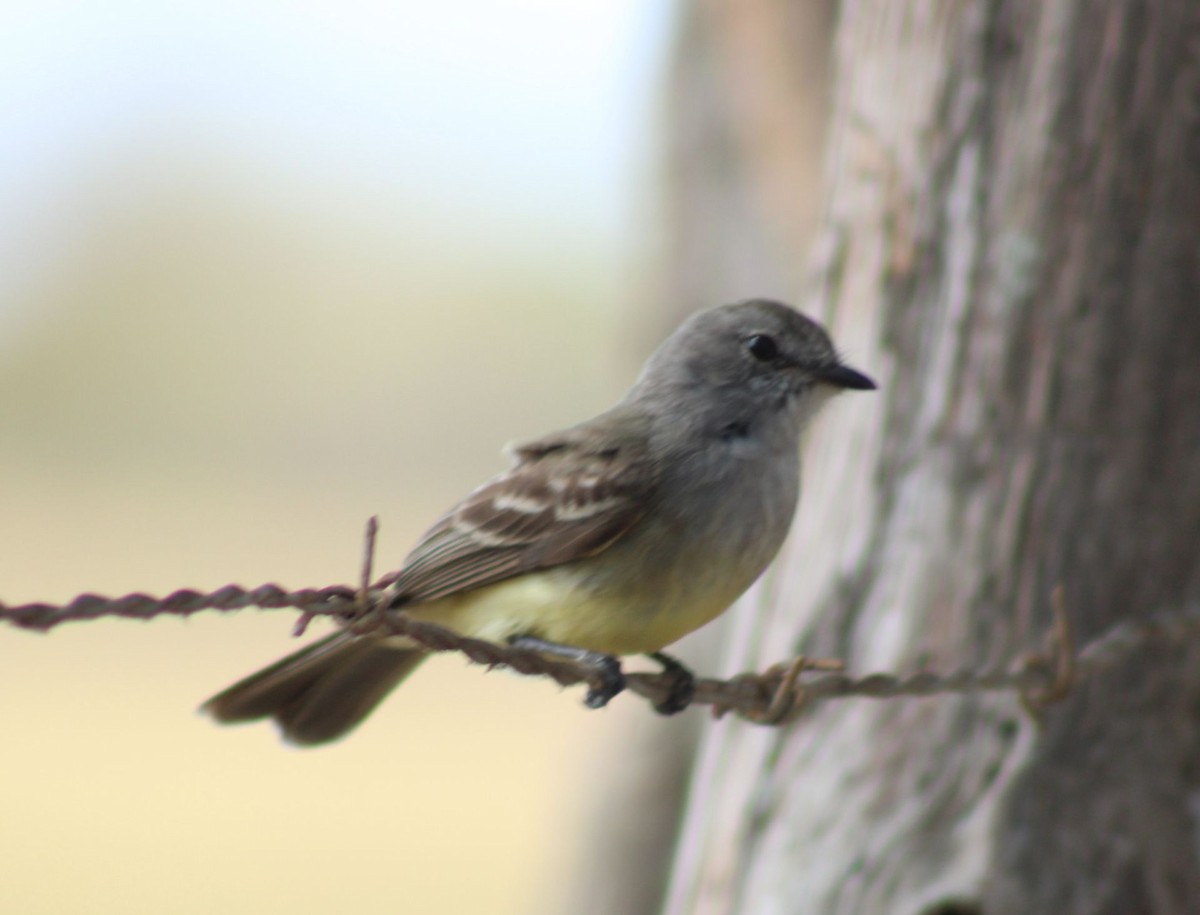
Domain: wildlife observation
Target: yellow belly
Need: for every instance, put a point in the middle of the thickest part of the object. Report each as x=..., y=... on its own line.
x=551, y=605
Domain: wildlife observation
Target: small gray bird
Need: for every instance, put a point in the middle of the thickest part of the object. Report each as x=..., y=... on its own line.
x=613, y=537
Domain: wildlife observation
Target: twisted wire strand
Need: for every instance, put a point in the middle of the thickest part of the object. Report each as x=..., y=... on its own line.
x=772, y=697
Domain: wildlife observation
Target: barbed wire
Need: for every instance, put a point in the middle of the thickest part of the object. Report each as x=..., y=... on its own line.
x=775, y=696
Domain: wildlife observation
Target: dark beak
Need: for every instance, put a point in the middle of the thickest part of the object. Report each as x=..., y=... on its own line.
x=842, y=376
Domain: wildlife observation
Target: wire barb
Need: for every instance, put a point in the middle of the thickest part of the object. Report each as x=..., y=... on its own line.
x=1061, y=663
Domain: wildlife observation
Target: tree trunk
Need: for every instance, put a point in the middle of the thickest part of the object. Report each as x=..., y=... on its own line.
x=1011, y=246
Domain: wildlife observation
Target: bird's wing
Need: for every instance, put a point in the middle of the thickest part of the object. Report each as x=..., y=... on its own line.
x=568, y=496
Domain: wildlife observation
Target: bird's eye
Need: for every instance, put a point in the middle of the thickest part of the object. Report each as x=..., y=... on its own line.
x=762, y=347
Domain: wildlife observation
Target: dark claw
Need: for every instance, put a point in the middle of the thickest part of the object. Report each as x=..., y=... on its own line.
x=612, y=681
x=683, y=685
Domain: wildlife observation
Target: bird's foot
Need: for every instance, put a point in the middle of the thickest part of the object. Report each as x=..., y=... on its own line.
x=682, y=687
x=610, y=679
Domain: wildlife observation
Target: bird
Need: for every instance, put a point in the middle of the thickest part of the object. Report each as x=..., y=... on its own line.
x=613, y=537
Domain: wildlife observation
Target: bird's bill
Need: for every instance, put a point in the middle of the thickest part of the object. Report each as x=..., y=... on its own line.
x=842, y=376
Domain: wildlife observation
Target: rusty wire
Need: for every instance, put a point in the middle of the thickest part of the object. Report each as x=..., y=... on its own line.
x=775, y=696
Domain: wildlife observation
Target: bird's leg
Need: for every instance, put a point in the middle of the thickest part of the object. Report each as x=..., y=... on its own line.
x=607, y=667
x=682, y=688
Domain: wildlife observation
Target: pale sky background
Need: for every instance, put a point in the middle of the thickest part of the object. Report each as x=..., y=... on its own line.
x=530, y=114
x=266, y=269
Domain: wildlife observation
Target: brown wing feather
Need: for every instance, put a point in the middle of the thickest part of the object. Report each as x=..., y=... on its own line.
x=567, y=497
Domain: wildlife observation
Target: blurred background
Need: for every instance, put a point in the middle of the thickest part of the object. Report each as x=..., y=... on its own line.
x=267, y=269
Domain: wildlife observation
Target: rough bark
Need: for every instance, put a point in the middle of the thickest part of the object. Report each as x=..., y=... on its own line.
x=1011, y=245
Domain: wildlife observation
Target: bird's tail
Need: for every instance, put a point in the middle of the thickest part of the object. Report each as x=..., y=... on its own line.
x=321, y=692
